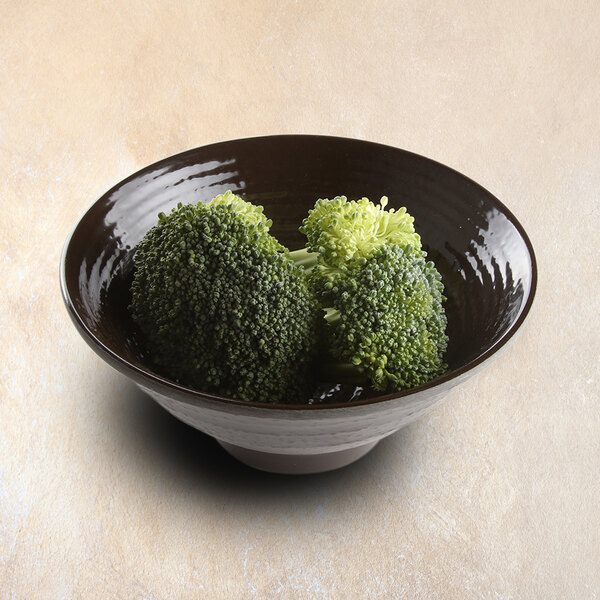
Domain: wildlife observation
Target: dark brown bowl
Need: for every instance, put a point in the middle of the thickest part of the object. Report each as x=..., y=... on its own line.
x=484, y=255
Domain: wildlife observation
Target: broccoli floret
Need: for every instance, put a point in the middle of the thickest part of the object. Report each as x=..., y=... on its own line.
x=340, y=230
x=387, y=319
x=223, y=307
x=383, y=300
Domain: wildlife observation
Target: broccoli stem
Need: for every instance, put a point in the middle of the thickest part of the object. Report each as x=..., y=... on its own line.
x=304, y=258
x=332, y=315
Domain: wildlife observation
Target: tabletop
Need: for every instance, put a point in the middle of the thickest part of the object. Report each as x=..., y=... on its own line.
x=495, y=494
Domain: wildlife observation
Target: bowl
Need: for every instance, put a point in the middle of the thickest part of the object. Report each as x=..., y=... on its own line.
x=483, y=253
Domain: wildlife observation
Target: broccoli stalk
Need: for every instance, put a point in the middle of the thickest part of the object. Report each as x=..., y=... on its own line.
x=304, y=258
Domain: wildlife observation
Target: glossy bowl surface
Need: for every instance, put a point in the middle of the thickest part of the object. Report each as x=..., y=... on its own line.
x=484, y=255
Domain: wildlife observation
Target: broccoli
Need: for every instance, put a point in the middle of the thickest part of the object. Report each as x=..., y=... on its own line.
x=339, y=230
x=226, y=308
x=382, y=298
x=223, y=307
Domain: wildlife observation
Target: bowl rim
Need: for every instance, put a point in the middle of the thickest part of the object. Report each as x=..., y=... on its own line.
x=195, y=397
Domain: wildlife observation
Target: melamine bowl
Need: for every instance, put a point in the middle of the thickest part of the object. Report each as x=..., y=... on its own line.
x=483, y=253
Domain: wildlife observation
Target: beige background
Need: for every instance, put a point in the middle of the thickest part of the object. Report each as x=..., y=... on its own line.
x=494, y=495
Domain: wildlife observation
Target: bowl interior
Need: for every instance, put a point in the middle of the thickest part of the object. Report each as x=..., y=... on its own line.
x=484, y=256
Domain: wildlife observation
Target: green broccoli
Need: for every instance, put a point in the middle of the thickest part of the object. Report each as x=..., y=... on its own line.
x=339, y=230
x=222, y=305
x=382, y=298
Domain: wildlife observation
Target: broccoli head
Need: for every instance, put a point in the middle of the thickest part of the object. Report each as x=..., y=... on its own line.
x=383, y=300
x=386, y=318
x=340, y=230
x=223, y=307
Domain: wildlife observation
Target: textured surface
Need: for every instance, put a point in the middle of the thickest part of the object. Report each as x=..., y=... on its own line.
x=495, y=494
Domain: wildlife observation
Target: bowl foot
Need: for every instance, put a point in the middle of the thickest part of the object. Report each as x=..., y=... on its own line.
x=297, y=463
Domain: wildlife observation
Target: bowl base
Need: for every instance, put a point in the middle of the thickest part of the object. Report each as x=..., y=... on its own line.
x=296, y=464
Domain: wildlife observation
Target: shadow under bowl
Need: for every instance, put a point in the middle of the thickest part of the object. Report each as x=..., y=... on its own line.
x=484, y=255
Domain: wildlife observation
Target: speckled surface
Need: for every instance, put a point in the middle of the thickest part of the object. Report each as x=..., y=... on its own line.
x=495, y=494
